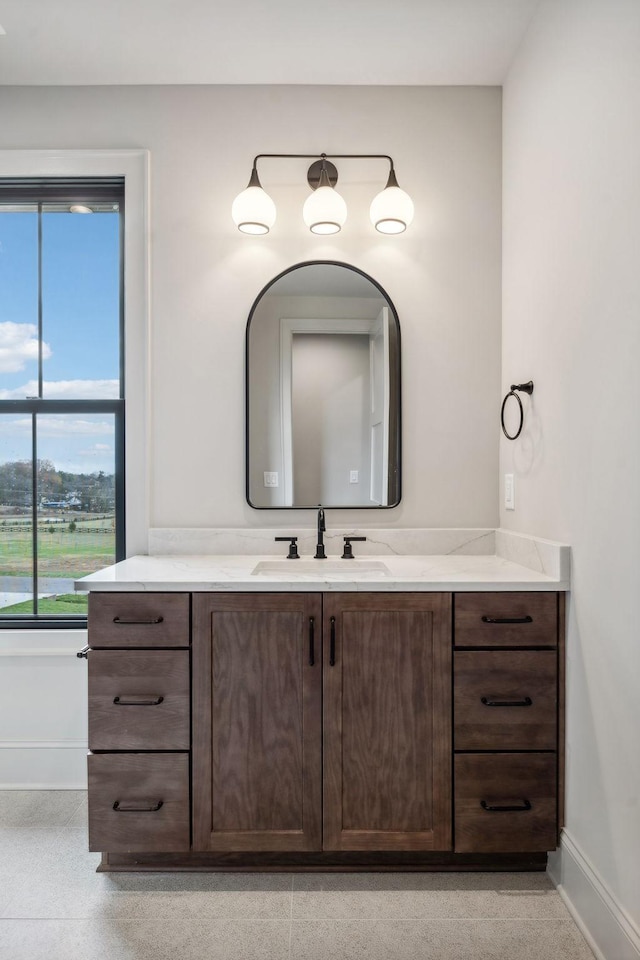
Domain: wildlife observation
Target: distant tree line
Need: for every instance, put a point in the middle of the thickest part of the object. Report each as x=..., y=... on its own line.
x=89, y=492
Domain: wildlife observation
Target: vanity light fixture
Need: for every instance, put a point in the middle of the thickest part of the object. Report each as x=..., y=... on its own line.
x=253, y=210
x=324, y=211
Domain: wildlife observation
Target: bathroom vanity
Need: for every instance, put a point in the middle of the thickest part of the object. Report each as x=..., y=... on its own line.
x=390, y=713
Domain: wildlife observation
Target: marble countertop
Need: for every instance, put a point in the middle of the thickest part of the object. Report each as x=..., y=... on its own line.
x=237, y=573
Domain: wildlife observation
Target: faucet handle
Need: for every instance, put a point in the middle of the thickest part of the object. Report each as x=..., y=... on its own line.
x=293, y=546
x=348, y=549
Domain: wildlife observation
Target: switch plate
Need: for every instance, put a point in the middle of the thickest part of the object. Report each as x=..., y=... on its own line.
x=509, y=491
x=354, y=477
x=270, y=479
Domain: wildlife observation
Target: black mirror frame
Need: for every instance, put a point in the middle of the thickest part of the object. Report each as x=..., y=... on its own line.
x=397, y=371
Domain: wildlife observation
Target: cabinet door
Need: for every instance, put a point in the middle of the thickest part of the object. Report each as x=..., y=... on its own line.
x=257, y=709
x=387, y=721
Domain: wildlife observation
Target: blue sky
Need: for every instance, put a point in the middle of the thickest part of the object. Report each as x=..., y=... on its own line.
x=80, y=263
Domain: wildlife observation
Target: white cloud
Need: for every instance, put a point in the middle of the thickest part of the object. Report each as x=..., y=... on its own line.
x=64, y=389
x=96, y=450
x=19, y=345
x=50, y=426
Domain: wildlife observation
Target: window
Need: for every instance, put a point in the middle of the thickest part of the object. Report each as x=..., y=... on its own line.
x=62, y=405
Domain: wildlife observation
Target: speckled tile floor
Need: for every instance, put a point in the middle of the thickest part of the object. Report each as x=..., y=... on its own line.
x=53, y=905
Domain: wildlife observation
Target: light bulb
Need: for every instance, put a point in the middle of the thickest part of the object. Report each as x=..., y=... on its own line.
x=253, y=210
x=392, y=209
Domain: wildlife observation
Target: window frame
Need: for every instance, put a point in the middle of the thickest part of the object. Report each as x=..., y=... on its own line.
x=130, y=420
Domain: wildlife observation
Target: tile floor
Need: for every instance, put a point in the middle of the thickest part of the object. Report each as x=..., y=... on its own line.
x=53, y=905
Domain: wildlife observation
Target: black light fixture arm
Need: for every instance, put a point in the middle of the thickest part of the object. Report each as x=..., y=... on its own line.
x=323, y=166
x=322, y=163
x=323, y=156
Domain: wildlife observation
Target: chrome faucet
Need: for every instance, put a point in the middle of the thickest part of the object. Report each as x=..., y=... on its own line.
x=320, y=554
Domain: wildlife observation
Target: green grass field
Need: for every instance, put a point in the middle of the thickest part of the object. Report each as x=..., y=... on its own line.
x=61, y=552
x=64, y=604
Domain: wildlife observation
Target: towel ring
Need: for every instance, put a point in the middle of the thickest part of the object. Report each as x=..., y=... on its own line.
x=525, y=388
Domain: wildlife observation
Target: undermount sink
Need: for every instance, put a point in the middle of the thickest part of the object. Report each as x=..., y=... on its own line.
x=345, y=569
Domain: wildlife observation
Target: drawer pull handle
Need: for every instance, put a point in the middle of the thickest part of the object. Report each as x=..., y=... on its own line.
x=526, y=619
x=491, y=702
x=332, y=645
x=507, y=807
x=84, y=653
x=312, y=658
x=139, y=623
x=130, y=806
x=137, y=702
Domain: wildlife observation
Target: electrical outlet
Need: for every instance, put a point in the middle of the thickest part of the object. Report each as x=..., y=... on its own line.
x=270, y=479
x=509, y=491
x=354, y=476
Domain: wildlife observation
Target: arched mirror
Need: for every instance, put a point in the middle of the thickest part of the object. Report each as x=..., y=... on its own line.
x=323, y=391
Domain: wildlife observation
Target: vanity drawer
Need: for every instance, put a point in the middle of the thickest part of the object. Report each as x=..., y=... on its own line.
x=505, y=699
x=139, y=699
x=139, y=619
x=139, y=801
x=487, y=785
x=506, y=619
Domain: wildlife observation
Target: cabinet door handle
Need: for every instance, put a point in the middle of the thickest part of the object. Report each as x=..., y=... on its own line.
x=133, y=806
x=84, y=653
x=526, y=619
x=492, y=702
x=312, y=658
x=137, y=701
x=123, y=621
x=507, y=807
x=332, y=645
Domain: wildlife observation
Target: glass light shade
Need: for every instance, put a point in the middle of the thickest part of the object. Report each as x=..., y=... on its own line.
x=392, y=209
x=324, y=211
x=253, y=211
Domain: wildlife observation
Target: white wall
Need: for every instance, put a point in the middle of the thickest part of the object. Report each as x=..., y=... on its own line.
x=43, y=713
x=571, y=323
x=443, y=275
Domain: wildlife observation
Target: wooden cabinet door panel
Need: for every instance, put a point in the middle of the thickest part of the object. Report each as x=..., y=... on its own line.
x=505, y=802
x=257, y=743
x=505, y=699
x=139, y=801
x=520, y=619
x=138, y=619
x=139, y=700
x=387, y=734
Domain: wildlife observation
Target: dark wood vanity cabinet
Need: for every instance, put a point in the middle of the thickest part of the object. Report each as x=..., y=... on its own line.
x=139, y=722
x=506, y=715
x=387, y=731
x=257, y=704
x=325, y=729
x=270, y=772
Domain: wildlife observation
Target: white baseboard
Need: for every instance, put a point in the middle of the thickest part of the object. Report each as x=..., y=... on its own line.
x=43, y=765
x=607, y=927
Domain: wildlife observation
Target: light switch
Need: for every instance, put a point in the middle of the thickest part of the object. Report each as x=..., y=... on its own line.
x=354, y=477
x=270, y=478
x=509, y=491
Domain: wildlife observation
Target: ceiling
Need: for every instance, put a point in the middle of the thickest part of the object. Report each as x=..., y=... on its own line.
x=412, y=42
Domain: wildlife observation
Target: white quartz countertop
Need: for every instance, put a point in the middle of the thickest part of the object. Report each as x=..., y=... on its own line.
x=229, y=573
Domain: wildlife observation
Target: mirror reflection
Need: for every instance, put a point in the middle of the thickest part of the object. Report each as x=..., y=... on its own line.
x=323, y=391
